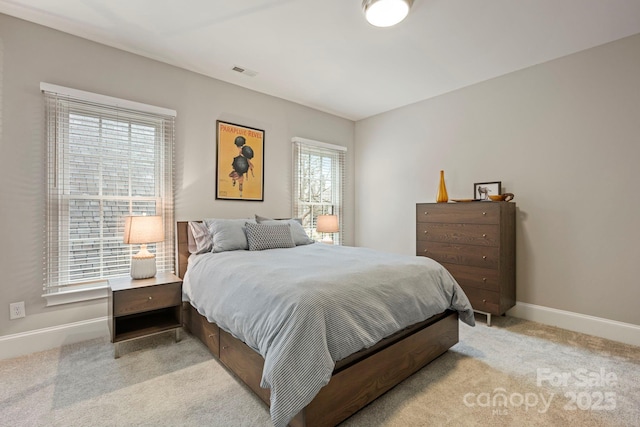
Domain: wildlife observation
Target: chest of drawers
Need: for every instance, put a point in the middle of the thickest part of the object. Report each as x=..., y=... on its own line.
x=476, y=242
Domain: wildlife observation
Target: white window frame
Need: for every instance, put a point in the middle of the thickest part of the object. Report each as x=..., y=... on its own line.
x=58, y=289
x=336, y=154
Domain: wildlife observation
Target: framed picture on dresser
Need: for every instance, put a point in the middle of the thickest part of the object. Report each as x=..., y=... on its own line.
x=482, y=190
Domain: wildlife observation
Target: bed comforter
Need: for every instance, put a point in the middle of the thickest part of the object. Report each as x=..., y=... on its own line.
x=305, y=308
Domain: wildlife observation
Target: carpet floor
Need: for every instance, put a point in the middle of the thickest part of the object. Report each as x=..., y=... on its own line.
x=514, y=373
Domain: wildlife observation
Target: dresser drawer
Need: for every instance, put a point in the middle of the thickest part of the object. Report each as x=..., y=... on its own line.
x=477, y=256
x=468, y=213
x=474, y=277
x=483, y=300
x=147, y=298
x=465, y=234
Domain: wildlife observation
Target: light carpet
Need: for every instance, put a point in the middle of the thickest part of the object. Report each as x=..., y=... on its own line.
x=514, y=373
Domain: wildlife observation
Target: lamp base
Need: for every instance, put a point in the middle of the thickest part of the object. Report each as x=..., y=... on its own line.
x=143, y=268
x=328, y=240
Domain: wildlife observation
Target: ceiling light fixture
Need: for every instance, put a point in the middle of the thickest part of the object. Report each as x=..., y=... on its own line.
x=386, y=13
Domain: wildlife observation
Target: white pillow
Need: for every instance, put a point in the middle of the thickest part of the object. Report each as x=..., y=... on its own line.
x=262, y=236
x=297, y=231
x=228, y=234
x=199, y=238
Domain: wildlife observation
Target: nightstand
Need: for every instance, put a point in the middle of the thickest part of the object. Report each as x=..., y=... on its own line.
x=139, y=308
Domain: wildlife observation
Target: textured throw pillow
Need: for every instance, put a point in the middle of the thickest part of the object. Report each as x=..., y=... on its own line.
x=228, y=234
x=199, y=238
x=297, y=231
x=262, y=236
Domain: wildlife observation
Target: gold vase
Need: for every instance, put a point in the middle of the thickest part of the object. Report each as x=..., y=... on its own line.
x=442, y=190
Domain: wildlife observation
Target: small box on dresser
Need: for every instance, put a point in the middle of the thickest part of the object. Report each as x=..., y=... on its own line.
x=143, y=307
x=475, y=241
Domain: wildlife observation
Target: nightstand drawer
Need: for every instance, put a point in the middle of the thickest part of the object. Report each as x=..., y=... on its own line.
x=465, y=234
x=477, y=256
x=147, y=298
x=474, y=277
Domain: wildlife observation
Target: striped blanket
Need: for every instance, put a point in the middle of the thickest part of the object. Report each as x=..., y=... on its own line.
x=305, y=308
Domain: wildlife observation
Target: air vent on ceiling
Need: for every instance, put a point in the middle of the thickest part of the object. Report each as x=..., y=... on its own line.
x=244, y=71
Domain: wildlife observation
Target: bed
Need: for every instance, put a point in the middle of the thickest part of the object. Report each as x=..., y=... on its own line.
x=270, y=333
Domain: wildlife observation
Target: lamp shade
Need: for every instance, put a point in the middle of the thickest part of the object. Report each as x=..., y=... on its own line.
x=386, y=13
x=327, y=224
x=143, y=229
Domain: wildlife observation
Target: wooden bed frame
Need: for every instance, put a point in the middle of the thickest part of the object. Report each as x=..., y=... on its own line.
x=356, y=381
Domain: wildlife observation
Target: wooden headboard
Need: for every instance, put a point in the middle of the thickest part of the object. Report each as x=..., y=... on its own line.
x=183, y=247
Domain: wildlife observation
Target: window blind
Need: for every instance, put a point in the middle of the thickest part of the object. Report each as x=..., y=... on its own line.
x=318, y=183
x=105, y=161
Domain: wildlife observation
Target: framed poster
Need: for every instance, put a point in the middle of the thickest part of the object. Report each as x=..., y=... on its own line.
x=240, y=162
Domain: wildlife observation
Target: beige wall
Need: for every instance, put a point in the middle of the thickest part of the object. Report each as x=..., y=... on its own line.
x=30, y=54
x=564, y=136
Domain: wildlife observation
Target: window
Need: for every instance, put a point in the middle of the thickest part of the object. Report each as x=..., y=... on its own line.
x=318, y=183
x=106, y=159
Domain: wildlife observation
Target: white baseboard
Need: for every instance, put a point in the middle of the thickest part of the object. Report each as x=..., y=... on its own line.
x=43, y=339
x=610, y=329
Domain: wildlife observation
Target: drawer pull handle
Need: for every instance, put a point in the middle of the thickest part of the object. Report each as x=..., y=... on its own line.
x=484, y=257
x=224, y=347
x=484, y=300
x=426, y=213
x=484, y=213
x=425, y=231
x=425, y=251
x=150, y=298
x=484, y=279
x=484, y=235
x=212, y=335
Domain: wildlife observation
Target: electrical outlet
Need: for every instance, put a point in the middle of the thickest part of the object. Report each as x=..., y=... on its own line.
x=16, y=310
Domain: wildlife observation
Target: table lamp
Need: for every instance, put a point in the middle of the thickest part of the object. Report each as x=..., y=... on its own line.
x=142, y=230
x=327, y=224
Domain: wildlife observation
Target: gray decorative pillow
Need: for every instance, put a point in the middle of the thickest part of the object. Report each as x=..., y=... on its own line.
x=262, y=236
x=297, y=231
x=199, y=238
x=228, y=234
